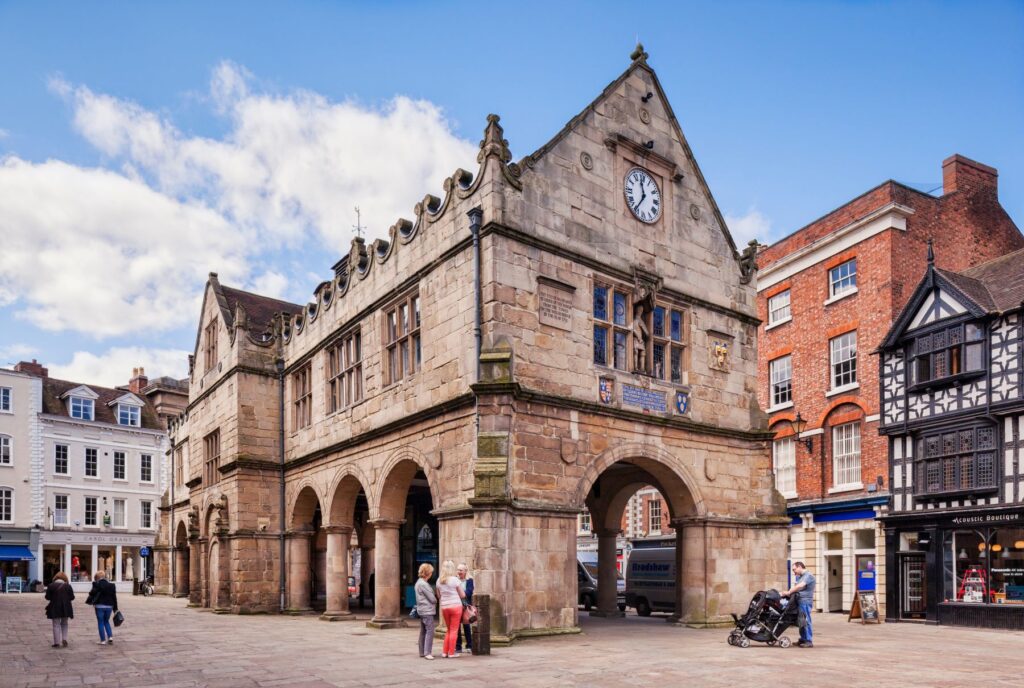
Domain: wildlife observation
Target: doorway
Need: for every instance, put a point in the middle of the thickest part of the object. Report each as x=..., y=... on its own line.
x=834, y=583
x=913, y=586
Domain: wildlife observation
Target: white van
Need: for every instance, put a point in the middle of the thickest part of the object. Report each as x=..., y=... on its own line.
x=651, y=580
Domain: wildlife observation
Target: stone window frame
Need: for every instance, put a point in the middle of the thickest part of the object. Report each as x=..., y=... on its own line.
x=57, y=510
x=124, y=514
x=774, y=313
x=401, y=337
x=120, y=461
x=784, y=466
x=179, y=464
x=611, y=328
x=842, y=281
x=847, y=455
x=60, y=459
x=211, y=458
x=95, y=512
x=95, y=464
x=776, y=390
x=842, y=355
x=302, y=397
x=6, y=450
x=6, y=504
x=6, y=400
x=210, y=348
x=671, y=344
x=345, y=372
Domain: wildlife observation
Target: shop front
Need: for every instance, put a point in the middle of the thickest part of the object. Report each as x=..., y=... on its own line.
x=124, y=558
x=18, y=564
x=963, y=569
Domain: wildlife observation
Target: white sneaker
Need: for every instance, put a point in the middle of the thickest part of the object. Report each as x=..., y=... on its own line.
x=102, y=642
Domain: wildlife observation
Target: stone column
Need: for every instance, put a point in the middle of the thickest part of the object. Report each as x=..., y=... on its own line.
x=298, y=571
x=691, y=571
x=195, y=575
x=338, y=538
x=67, y=559
x=182, y=571
x=387, y=595
x=607, y=588
x=117, y=564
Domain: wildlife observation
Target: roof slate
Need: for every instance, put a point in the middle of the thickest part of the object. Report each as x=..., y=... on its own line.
x=1003, y=279
x=259, y=309
x=55, y=406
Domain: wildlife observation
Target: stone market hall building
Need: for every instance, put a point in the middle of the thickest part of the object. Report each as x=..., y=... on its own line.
x=550, y=335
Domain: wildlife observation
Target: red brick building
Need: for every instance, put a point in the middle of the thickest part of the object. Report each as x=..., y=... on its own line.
x=827, y=296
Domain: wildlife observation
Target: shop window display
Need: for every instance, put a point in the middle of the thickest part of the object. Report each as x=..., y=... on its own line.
x=1006, y=554
x=985, y=566
x=81, y=565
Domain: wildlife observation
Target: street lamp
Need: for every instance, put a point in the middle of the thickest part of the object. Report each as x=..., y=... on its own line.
x=799, y=425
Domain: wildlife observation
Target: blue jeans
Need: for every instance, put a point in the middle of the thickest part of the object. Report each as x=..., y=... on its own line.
x=103, y=621
x=806, y=633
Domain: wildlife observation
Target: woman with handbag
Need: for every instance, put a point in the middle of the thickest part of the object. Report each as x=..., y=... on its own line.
x=466, y=581
x=103, y=598
x=426, y=610
x=59, y=610
x=449, y=591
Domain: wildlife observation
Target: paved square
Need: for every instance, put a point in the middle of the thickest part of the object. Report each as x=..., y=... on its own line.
x=164, y=643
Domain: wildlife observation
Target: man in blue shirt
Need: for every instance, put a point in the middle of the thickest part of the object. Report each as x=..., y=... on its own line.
x=803, y=589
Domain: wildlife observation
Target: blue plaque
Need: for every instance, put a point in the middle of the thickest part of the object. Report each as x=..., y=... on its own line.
x=644, y=398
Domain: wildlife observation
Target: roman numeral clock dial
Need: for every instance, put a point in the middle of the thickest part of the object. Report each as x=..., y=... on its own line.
x=643, y=195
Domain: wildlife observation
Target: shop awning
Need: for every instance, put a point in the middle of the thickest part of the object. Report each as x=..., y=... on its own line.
x=15, y=553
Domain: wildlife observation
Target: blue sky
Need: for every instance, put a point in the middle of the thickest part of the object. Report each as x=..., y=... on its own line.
x=143, y=145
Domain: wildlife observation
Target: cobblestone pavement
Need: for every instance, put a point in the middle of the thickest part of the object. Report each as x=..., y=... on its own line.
x=164, y=643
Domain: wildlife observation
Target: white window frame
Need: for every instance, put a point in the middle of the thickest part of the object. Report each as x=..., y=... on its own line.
x=585, y=521
x=10, y=504
x=779, y=313
x=654, y=504
x=66, y=510
x=784, y=466
x=86, y=408
x=843, y=352
x=85, y=512
x=6, y=450
x=775, y=373
x=142, y=468
x=67, y=459
x=6, y=400
x=842, y=282
x=846, y=457
x=130, y=413
x=85, y=463
x=124, y=514
x=124, y=466
x=146, y=514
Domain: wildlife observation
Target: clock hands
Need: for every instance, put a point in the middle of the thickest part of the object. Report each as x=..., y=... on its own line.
x=643, y=195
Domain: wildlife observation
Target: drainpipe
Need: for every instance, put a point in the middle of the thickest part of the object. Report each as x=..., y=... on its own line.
x=173, y=531
x=475, y=218
x=279, y=364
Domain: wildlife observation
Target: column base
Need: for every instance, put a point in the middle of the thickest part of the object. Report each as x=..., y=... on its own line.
x=613, y=614
x=385, y=624
x=221, y=610
x=306, y=611
x=338, y=616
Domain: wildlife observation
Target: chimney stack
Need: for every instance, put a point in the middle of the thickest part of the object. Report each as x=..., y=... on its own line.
x=963, y=174
x=32, y=368
x=138, y=381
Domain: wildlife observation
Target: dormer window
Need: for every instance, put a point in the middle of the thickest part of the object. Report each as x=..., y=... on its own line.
x=82, y=408
x=948, y=353
x=128, y=415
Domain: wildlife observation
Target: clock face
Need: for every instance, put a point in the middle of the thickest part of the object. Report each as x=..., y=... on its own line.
x=643, y=195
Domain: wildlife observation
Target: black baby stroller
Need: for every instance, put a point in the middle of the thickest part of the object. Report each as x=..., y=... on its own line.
x=767, y=618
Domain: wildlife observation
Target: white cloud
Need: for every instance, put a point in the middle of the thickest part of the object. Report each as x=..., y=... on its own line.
x=753, y=225
x=114, y=367
x=125, y=248
x=4, y=134
x=13, y=353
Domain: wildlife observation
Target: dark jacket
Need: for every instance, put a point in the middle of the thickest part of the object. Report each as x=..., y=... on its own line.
x=103, y=593
x=469, y=591
x=60, y=595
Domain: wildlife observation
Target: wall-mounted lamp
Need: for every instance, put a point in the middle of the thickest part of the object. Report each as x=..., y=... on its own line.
x=646, y=97
x=799, y=425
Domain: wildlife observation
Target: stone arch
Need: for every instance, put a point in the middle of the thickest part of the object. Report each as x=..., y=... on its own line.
x=303, y=505
x=836, y=403
x=342, y=495
x=394, y=480
x=661, y=464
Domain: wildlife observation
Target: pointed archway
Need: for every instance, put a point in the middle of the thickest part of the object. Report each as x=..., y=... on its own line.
x=181, y=561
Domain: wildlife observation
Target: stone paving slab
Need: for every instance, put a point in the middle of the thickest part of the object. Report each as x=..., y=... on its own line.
x=164, y=644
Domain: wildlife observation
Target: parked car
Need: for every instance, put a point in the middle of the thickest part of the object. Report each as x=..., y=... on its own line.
x=651, y=580
x=353, y=589
x=586, y=575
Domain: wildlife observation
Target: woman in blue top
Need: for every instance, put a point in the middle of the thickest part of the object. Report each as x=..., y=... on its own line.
x=466, y=581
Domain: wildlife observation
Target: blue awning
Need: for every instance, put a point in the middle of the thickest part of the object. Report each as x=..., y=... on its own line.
x=15, y=553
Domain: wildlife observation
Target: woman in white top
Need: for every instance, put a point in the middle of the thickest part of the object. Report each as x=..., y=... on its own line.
x=449, y=591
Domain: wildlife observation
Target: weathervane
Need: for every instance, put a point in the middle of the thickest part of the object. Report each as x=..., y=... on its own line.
x=358, y=226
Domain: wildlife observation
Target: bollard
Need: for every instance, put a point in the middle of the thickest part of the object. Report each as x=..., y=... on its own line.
x=482, y=632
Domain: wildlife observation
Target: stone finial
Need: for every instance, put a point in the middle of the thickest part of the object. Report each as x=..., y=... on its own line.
x=931, y=253
x=748, y=262
x=638, y=54
x=494, y=143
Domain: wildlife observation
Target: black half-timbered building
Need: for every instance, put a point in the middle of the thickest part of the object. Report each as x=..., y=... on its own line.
x=952, y=391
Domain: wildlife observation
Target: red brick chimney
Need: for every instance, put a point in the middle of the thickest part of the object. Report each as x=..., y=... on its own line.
x=963, y=174
x=32, y=368
x=138, y=381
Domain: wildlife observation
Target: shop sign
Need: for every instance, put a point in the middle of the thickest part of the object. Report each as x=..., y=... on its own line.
x=988, y=518
x=865, y=607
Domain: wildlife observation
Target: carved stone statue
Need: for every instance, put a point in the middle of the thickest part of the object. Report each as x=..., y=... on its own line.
x=643, y=304
x=748, y=262
x=222, y=513
x=193, y=519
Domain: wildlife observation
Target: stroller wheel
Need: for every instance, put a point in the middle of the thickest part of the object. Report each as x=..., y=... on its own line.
x=744, y=642
x=730, y=640
x=785, y=642
x=769, y=642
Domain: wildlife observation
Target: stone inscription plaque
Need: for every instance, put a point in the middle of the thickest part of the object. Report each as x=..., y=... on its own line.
x=555, y=304
x=644, y=398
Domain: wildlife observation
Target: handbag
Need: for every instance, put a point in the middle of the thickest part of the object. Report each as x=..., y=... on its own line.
x=118, y=618
x=468, y=613
x=413, y=614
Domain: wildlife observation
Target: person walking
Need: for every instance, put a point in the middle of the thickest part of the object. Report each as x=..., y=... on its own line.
x=103, y=598
x=803, y=588
x=426, y=610
x=466, y=581
x=449, y=591
x=59, y=609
